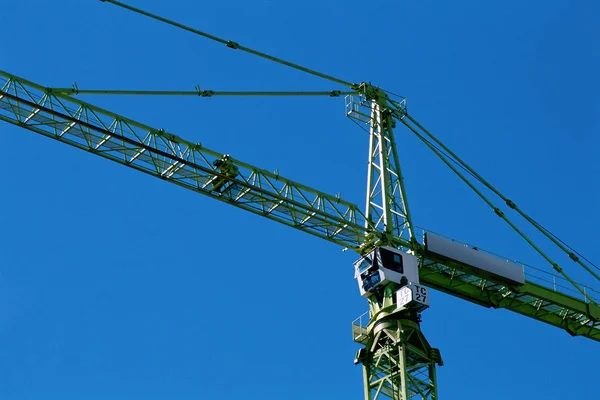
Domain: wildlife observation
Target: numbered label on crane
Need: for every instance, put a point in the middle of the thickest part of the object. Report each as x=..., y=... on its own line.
x=413, y=295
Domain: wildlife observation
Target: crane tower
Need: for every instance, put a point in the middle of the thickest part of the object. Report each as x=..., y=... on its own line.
x=394, y=268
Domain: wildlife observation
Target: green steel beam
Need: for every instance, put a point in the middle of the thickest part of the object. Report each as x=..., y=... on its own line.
x=231, y=44
x=190, y=165
x=198, y=92
x=547, y=305
x=178, y=161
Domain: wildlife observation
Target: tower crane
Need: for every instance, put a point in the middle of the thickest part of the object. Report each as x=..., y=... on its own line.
x=396, y=266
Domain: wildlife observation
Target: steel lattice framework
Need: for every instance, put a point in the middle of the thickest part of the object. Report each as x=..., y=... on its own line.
x=189, y=165
x=398, y=362
x=401, y=363
x=386, y=205
x=178, y=161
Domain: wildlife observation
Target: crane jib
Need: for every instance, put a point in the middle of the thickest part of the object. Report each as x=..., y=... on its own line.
x=170, y=158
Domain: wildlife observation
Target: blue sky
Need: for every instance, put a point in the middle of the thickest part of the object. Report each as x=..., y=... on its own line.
x=116, y=285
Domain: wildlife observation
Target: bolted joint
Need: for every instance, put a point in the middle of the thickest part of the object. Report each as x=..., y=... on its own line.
x=557, y=267
x=573, y=257
x=386, y=238
x=388, y=120
x=232, y=45
x=372, y=239
x=373, y=93
x=196, y=146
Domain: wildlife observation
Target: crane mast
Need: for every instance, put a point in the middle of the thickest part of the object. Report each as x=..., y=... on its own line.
x=386, y=205
x=397, y=361
x=395, y=268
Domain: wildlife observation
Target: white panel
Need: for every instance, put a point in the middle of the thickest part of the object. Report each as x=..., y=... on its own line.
x=411, y=267
x=412, y=293
x=474, y=258
x=403, y=296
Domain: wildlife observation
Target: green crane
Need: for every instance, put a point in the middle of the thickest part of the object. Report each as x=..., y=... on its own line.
x=396, y=267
